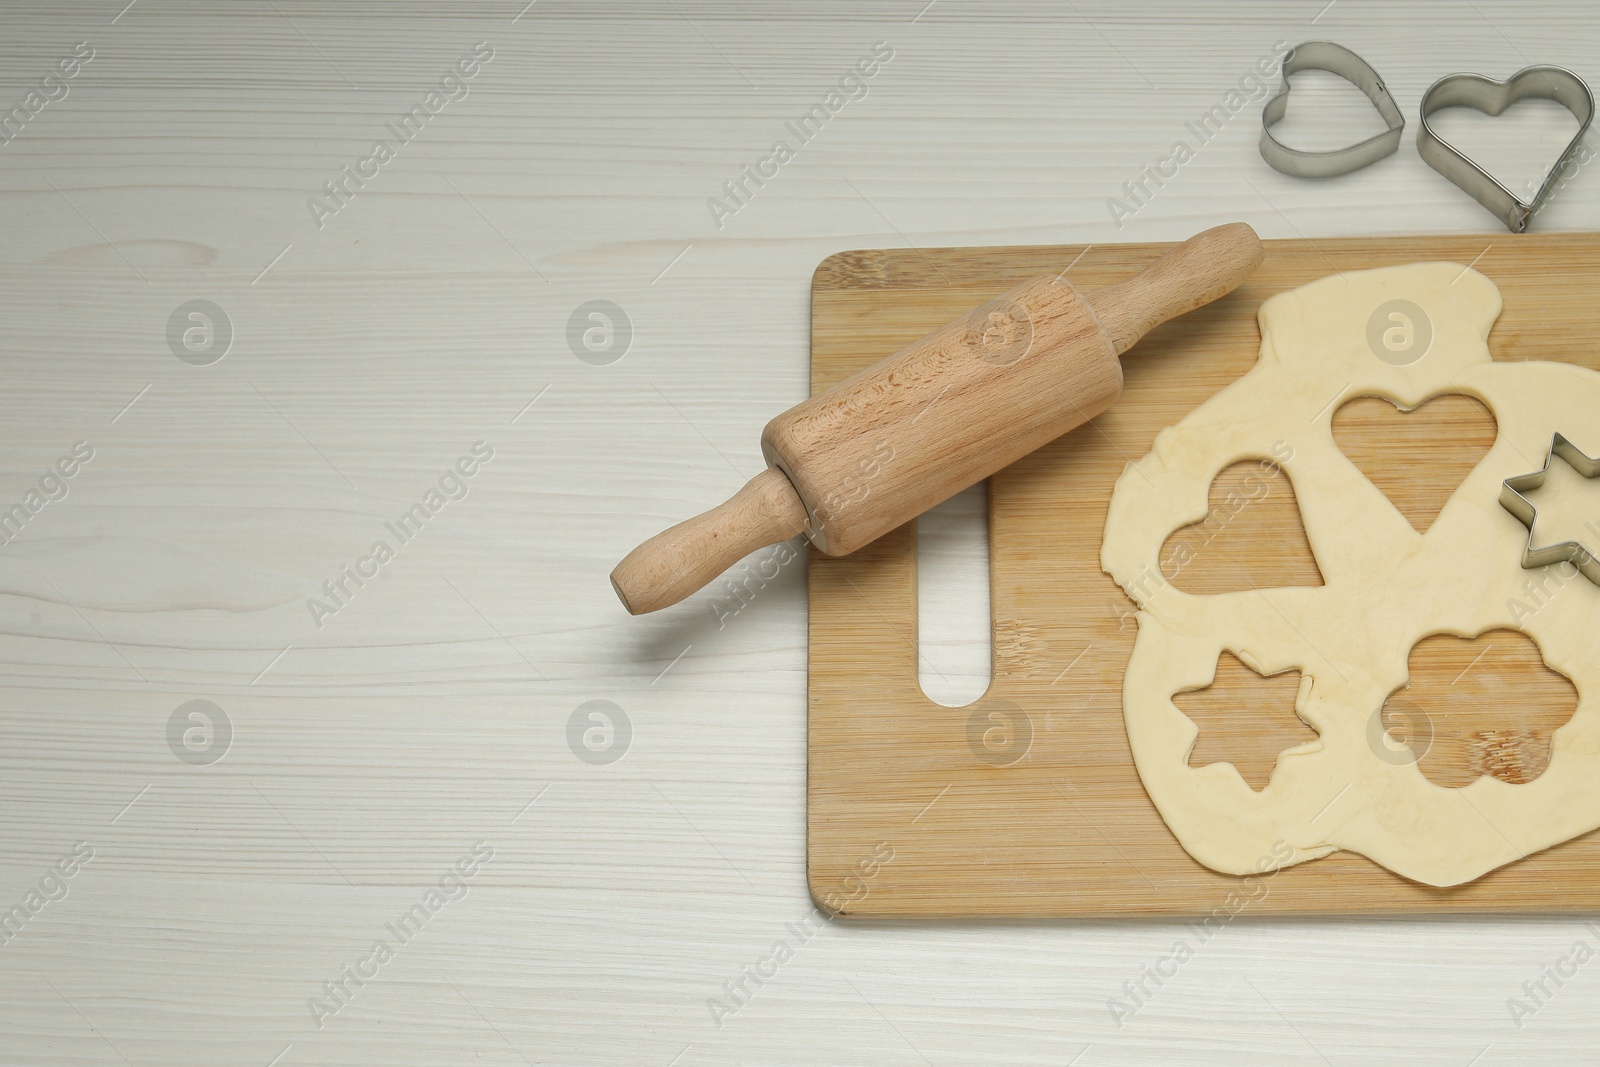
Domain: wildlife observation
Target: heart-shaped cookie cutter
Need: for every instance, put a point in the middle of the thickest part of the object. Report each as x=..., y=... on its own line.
x=1335, y=59
x=1492, y=97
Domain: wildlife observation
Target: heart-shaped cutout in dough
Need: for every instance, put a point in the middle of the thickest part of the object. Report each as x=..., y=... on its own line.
x=1416, y=458
x=1252, y=536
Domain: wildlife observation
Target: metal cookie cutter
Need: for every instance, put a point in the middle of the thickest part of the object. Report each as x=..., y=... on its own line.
x=1336, y=59
x=1512, y=500
x=1492, y=97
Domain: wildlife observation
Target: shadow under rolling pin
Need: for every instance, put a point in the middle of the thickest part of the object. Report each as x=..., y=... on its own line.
x=1009, y=377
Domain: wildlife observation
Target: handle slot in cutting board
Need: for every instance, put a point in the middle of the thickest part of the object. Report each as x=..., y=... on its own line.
x=954, y=664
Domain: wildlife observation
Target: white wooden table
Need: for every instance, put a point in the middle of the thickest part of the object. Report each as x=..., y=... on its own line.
x=236, y=864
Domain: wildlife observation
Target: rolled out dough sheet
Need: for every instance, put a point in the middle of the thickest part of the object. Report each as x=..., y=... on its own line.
x=1386, y=587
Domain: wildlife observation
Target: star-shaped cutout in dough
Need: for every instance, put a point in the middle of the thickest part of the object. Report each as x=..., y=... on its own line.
x=1513, y=500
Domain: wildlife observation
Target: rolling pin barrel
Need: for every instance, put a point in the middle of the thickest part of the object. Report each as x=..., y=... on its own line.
x=942, y=413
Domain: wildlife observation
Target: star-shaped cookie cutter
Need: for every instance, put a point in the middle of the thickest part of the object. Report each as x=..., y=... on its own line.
x=1512, y=500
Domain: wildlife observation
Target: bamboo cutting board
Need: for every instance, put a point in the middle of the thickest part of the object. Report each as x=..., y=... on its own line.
x=1027, y=802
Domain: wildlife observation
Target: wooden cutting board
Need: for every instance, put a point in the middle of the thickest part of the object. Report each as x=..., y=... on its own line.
x=1027, y=802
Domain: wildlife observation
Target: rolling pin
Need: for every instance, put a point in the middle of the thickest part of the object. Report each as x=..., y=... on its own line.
x=848, y=465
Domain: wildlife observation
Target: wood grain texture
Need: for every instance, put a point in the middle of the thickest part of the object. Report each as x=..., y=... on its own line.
x=1487, y=705
x=1249, y=503
x=429, y=313
x=1245, y=719
x=1027, y=802
x=1445, y=438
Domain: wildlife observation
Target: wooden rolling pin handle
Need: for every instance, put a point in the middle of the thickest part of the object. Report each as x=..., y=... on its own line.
x=1203, y=268
x=678, y=561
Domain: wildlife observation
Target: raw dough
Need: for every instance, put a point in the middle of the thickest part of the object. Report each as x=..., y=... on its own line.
x=1386, y=587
